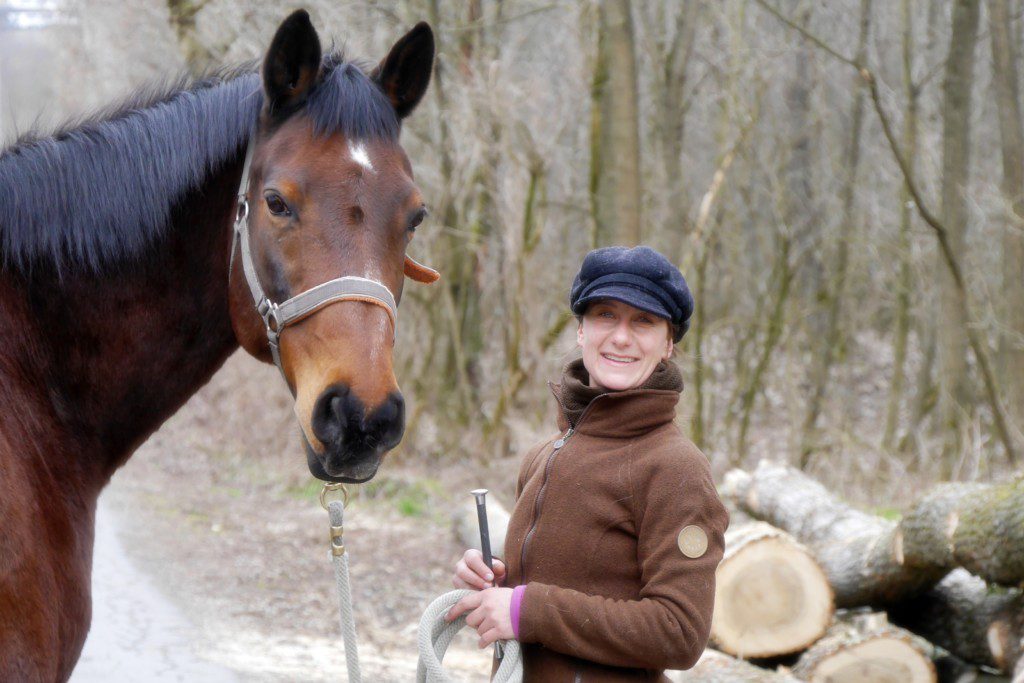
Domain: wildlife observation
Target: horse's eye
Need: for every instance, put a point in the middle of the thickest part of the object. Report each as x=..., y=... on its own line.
x=417, y=219
x=277, y=205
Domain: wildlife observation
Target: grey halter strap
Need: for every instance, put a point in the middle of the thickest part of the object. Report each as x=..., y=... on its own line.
x=278, y=316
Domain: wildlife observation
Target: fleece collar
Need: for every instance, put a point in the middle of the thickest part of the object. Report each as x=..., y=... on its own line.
x=625, y=414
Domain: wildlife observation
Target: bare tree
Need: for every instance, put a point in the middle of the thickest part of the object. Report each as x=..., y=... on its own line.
x=1005, y=57
x=833, y=329
x=951, y=311
x=615, y=180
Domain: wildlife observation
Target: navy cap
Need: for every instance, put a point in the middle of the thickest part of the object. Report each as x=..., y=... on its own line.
x=640, y=277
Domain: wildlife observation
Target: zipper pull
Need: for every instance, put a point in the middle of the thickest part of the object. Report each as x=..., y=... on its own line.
x=561, y=441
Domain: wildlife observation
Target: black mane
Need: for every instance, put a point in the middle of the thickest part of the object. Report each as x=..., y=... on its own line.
x=100, y=190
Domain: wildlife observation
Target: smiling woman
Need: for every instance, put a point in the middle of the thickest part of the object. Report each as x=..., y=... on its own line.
x=611, y=550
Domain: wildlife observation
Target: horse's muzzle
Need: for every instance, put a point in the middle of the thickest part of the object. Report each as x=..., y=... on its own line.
x=354, y=442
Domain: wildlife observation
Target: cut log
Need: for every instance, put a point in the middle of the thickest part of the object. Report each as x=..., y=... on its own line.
x=716, y=667
x=771, y=596
x=867, y=650
x=976, y=622
x=855, y=549
x=979, y=527
x=467, y=528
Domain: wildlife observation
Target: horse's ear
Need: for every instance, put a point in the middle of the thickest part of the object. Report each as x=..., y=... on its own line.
x=405, y=72
x=292, y=65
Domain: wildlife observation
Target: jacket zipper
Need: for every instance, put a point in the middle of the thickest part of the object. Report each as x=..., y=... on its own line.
x=540, y=498
x=544, y=485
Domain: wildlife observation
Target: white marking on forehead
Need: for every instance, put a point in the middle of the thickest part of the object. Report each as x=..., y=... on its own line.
x=358, y=153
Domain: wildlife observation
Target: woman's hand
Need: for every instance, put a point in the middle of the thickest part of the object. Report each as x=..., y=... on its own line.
x=471, y=572
x=490, y=613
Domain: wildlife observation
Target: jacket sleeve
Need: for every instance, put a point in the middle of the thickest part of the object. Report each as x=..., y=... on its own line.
x=668, y=626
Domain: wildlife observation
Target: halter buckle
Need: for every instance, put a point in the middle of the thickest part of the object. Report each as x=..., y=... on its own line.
x=270, y=313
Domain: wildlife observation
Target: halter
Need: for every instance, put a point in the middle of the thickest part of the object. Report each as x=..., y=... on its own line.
x=278, y=316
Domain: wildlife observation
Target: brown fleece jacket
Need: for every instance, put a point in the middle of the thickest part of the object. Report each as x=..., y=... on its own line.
x=596, y=536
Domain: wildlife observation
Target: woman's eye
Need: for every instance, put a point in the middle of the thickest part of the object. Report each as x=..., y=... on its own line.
x=277, y=206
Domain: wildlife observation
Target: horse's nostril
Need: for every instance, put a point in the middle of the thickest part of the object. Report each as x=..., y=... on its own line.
x=329, y=420
x=390, y=419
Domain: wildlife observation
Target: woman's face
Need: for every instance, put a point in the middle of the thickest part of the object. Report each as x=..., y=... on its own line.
x=621, y=344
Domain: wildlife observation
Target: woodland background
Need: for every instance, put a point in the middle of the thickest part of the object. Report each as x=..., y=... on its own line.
x=842, y=184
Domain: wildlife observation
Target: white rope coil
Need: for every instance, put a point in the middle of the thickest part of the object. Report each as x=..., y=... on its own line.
x=436, y=634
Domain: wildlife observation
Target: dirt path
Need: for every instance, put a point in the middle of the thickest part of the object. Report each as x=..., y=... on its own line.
x=238, y=544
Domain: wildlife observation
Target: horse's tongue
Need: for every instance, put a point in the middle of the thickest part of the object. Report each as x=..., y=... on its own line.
x=419, y=272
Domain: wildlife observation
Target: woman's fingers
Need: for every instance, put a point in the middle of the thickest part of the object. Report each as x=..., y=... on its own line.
x=466, y=604
x=467, y=578
x=475, y=561
x=491, y=636
x=475, y=618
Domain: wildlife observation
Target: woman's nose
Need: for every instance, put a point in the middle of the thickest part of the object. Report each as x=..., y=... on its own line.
x=621, y=334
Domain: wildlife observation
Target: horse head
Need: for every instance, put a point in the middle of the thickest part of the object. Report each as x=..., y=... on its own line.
x=330, y=195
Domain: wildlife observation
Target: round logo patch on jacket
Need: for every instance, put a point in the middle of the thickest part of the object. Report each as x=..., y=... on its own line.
x=693, y=541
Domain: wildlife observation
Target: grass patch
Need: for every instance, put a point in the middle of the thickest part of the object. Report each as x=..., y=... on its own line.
x=411, y=497
x=889, y=513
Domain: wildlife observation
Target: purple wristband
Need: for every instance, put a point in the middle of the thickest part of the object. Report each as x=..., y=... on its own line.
x=517, y=601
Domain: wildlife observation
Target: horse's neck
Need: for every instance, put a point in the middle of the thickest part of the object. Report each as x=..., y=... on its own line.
x=121, y=352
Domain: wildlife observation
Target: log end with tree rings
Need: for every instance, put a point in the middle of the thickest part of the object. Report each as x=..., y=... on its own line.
x=885, y=655
x=771, y=597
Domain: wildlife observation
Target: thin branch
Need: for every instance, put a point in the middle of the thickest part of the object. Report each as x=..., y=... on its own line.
x=806, y=34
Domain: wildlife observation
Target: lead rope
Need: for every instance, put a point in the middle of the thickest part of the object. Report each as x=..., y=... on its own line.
x=336, y=511
x=435, y=634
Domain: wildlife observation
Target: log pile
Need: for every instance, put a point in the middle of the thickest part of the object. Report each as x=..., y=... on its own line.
x=928, y=598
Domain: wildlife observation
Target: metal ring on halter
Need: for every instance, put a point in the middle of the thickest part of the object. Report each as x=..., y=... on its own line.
x=330, y=487
x=242, y=212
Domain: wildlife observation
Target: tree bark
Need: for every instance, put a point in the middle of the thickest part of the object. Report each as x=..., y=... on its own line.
x=856, y=550
x=1005, y=56
x=975, y=526
x=951, y=311
x=771, y=596
x=615, y=182
x=964, y=615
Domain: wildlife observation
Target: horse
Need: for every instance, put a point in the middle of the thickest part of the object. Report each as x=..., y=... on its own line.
x=124, y=286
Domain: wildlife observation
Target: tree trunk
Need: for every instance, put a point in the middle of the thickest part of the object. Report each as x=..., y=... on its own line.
x=904, y=280
x=867, y=649
x=771, y=596
x=832, y=339
x=975, y=526
x=951, y=310
x=671, y=111
x=855, y=549
x=615, y=183
x=1005, y=55
x=964, y=615
x=716, y=667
